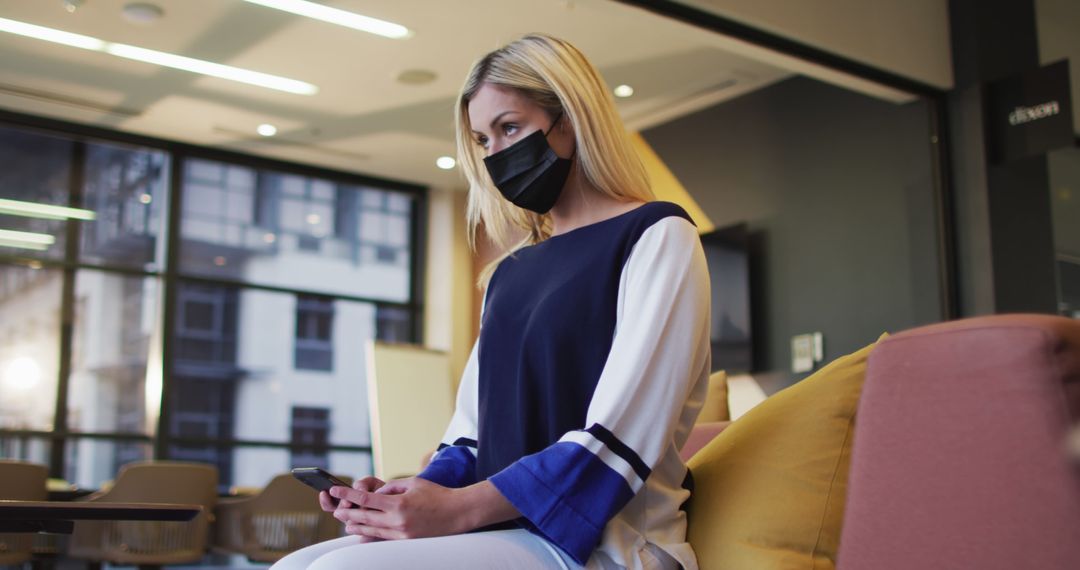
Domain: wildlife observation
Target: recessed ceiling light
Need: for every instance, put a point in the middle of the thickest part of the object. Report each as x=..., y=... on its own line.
x=266, y=130
x=72, y=5
x=313, y=219
x=624, y=91
x=219, y=261
x=146, y=198
x=416, y=76
x=446, y=162
x=158, y=58
x=337, y=16
x=142, y=13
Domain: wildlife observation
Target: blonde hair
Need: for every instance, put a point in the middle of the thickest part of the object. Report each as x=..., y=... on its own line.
x=556, y=76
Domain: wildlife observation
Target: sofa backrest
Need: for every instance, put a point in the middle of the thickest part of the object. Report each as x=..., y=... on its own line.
x=959, y=458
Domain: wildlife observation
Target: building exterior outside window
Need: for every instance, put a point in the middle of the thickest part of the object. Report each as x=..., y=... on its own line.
x=238, y=355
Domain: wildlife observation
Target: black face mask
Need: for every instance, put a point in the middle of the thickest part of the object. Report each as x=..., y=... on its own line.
x=529, y=173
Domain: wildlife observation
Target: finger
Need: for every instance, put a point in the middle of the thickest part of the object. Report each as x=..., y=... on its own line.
x=356, y=530
x=378, y=532
x=364, y=499
x=397, y=486
x=368, y=484
x=327, y=503
x=370, y=517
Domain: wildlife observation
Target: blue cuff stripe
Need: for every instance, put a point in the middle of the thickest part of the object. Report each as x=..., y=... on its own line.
x=452, y=466
x=567, y=494
x=621, y=449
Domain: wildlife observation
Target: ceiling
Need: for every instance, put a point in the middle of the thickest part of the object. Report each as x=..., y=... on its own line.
x=362, y=119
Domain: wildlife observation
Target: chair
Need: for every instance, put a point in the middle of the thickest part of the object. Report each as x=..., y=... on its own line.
x=281, y=518
x=151, y=543
x=960, y=457
x=22, y=481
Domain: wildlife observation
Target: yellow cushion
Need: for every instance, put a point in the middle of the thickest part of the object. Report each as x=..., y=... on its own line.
x=769, y=491
x=716, y=400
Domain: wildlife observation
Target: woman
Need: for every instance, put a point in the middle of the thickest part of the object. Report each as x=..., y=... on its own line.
x=593, y=354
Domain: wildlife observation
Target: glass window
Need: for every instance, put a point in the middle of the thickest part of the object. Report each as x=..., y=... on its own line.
x=115, y=319
x=127, y=189
x=314, y=333
x=25, y=448
x=236, y=373
x=92, y=462
x=310, y=431
x=255, y=466
x=29, y=346
x=394, y=324
x=286, y=230
x=35, y=169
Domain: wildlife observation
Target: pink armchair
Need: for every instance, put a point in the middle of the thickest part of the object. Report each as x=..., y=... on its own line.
x=960, y=455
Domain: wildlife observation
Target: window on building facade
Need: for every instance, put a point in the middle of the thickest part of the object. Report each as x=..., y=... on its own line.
x=314, y=333
x=310, y=437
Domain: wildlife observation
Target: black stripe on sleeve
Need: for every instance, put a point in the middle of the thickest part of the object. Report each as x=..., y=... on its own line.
x=621, y=449
x=466, y=442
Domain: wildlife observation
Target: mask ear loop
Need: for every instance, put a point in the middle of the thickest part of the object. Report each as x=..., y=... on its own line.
x=553, y=123
x=559, y=117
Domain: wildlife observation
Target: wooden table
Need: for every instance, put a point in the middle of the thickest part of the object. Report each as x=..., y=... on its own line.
x=59, y=516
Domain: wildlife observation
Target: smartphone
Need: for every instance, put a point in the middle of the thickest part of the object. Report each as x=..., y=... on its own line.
x=318, y=479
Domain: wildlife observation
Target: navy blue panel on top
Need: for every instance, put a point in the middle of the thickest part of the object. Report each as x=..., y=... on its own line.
x=549, y=321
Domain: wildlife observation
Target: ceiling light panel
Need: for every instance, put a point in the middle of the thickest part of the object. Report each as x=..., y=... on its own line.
x=337, y=16
x=159, y=58
x=45, y=211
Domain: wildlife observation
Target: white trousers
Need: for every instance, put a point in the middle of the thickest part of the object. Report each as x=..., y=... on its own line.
x=495, y=550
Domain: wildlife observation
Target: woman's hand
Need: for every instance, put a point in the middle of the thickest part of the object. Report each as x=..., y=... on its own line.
x=417, y=508
x=329, y=504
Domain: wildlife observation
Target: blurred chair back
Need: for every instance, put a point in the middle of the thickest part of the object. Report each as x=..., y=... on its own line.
x=410, y=402
x=22, y=481
x=281, y=518
x=959, y=457
x=151, y=543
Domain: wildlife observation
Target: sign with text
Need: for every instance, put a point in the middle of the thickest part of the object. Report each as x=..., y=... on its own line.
x=1030, y=113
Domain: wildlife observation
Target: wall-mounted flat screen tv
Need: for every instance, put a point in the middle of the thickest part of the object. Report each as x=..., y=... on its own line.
x=728, y=254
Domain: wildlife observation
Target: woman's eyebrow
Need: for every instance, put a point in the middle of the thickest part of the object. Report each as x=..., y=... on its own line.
x=496, y=120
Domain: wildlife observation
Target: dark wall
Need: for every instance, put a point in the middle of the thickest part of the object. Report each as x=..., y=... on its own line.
x=837, y=187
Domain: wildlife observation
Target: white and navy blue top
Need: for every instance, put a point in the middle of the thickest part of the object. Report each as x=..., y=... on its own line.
x=590, y=369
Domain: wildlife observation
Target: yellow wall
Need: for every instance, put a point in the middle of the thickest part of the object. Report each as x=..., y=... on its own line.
x=667, y=187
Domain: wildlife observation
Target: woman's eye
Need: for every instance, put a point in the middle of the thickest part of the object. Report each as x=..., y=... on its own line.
x=509, y=128
x=482, y=141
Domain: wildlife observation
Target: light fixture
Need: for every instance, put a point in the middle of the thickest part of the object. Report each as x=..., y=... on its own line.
x=72, y=5
x=46, y=211
x=445, y=162
x=337, y=16
x=27, y=238
x=313, y=219
x=22, y=245
x=22, y=373
x=146, y=198
x=142, y=13
x=266, y=130
x=624, y=91
x=159, y=58
x=219, y=261
x=417, y=77
x=269, y=237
